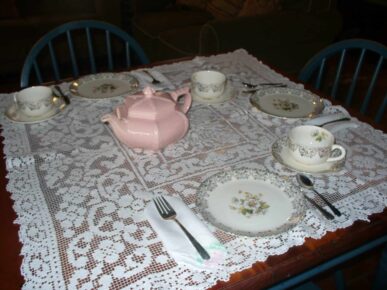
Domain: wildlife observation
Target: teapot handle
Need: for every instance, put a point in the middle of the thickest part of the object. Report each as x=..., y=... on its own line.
x=183, y=93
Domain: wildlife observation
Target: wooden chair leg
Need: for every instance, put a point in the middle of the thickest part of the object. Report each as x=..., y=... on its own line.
x=306, y=276
x=307, y=286
x=380, y=282
x=339, y=279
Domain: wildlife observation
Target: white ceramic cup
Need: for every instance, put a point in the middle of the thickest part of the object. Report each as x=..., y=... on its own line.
x=208, y=84
x=312, y=145
x=34, y=101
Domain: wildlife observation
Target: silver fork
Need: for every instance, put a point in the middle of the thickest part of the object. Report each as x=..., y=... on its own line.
x=154, y=81
x=167, y=212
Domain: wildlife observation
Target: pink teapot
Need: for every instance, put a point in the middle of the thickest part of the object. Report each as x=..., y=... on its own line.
x=151, y=120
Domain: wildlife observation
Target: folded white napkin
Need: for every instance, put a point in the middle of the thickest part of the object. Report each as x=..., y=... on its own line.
x=178, y=244
x=146, y=80
x=336, y=125
x=321, y=120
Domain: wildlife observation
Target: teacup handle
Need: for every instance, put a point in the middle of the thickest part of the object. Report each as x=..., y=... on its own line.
x=337, y=158
x=15, y=100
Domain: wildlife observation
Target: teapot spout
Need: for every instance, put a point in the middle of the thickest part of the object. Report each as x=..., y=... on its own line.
x=107, y=118
x=118, y=127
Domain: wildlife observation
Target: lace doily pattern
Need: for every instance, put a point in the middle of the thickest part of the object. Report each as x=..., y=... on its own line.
x=80, y=194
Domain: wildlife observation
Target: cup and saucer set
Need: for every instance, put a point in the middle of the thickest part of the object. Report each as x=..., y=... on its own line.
x=35, y=104
x=211, y=87
x=309, y=149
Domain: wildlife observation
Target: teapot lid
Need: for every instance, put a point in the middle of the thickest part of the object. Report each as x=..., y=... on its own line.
x=150, y=105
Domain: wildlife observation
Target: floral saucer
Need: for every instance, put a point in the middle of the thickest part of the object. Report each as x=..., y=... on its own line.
x=104, y=85
x=229, y=92
x=16, y=116
x=287, y=102
x=281, y=154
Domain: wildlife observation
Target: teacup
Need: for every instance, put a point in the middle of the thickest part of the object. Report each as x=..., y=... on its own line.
x=312, y=145
x=208, y=84
x=34, y=101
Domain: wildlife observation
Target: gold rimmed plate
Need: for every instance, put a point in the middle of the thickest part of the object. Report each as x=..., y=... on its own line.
x=287, y=102
x=104, y=85
x=250, y=202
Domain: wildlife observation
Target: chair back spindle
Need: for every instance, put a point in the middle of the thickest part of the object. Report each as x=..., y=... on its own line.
x=352, y=71
x=80, y=47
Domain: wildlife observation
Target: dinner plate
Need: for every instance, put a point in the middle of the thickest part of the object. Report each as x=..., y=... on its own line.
x=229, y=92
x=287, y=102
x=104, y=85
x=280, y=152
x=13, y=114
x=250, y=202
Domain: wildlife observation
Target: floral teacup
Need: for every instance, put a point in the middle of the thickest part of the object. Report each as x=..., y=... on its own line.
x=208, y=84
x=34, y=101
x=313, y=145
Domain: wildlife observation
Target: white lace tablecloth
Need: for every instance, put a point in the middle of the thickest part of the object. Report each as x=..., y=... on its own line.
x=80, y=195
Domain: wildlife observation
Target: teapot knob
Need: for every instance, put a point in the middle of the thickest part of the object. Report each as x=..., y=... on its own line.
x=148, y=92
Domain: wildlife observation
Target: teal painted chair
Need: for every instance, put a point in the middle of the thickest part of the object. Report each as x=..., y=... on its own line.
x=80, y=47
x=353, y=71
x=303, y=281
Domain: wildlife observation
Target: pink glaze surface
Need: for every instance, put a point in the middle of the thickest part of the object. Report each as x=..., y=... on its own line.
x=151, y=120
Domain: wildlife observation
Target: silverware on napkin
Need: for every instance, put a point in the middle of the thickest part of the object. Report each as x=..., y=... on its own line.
x=167, y=212
x=154, y=80
x=328, y=119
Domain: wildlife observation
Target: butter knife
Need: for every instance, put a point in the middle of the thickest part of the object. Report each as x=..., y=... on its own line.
x=65, y=98
x=328, y=119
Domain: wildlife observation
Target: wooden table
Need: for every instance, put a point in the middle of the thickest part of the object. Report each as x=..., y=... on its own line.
x=260, y=275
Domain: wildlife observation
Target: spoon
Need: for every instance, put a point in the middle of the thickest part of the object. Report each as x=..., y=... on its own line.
x=305, y=181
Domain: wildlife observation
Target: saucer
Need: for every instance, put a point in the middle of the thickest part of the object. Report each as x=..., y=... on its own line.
x=104, y=85
x=18, y=117
x=287, y=102
x=281, y=154
x=228, y=93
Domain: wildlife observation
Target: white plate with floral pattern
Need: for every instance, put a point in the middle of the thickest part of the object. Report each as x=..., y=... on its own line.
x=250, y=202
x=104, y=85
x=287, y=102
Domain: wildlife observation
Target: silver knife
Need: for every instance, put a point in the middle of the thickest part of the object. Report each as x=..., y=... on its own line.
x=65, y=98
x=327, y=214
